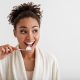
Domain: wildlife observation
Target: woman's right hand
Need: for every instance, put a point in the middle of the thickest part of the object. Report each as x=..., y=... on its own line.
x=5, y=50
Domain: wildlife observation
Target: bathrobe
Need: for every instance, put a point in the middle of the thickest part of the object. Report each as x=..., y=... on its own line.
x=12, y=67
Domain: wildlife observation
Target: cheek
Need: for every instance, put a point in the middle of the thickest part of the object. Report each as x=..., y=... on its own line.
x=37, y=37
x=20, y=39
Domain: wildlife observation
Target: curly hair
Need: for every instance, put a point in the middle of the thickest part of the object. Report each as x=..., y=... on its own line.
x=25, y=10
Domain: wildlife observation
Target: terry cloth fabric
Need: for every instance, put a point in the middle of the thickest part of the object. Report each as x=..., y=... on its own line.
x=12, y=67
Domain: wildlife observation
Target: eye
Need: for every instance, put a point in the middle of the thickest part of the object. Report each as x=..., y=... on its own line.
x=35, y=30
x=23, y=31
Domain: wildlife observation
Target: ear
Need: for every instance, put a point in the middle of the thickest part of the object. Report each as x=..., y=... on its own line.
x=14, y=31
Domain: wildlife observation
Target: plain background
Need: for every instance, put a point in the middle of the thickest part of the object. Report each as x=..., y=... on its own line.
x=60, y=32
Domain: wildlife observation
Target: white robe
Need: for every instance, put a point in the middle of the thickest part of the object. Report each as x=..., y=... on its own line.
x=12, y=67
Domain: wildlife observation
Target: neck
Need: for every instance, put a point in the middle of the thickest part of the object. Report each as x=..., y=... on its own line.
x=28, y=55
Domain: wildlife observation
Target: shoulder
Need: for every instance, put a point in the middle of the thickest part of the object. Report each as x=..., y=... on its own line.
x=49, y=56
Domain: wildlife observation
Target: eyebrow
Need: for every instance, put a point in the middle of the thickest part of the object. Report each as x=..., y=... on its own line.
x=27, y=27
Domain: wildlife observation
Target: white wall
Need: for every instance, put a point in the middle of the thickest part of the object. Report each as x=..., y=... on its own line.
x=60, y=32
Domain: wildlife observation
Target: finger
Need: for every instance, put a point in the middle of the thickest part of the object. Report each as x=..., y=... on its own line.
x=10, y=49
x=14, y=48
x=3, y=50
x=7, y=50
x=0, y=53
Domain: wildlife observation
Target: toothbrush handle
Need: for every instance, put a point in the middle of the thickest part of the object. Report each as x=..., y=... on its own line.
x=21, y=49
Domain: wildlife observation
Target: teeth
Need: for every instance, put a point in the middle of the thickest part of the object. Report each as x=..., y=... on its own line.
x=30, y=43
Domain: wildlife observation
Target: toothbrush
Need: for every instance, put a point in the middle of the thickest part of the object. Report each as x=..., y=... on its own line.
x=27, y=49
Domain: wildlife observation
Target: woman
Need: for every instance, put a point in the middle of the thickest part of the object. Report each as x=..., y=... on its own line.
x=26, y=61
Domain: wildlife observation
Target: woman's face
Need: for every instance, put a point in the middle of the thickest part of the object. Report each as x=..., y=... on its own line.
x=27, y=32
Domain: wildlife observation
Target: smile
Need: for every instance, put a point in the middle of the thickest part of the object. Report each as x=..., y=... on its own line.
x=29, y=43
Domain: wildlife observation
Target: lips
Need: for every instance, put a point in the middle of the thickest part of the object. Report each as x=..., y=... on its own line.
x=29, y=43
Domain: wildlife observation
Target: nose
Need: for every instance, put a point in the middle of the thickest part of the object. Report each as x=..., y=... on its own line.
x=30, y=37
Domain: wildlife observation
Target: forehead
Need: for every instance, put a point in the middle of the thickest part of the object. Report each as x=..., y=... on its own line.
x=27, y=23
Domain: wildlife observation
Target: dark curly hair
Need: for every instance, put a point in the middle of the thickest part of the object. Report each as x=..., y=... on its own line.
x=25, y=10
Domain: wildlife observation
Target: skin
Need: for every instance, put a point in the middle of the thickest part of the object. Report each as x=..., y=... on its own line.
x=27, y=30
